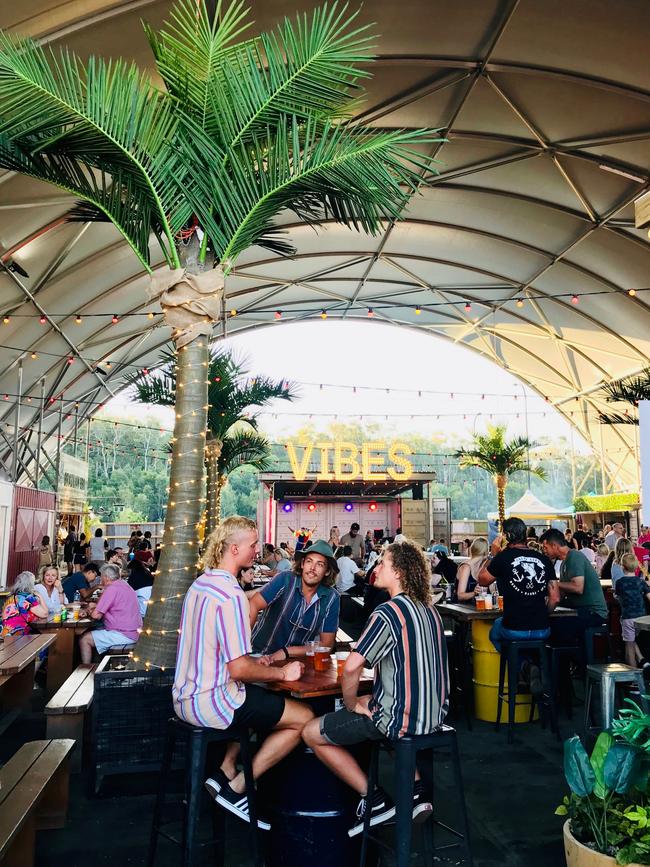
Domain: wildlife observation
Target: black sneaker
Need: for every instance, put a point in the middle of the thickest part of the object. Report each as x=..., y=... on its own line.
x=233, y=802
x=215, y=783
x=381, y=810
x=422, y=802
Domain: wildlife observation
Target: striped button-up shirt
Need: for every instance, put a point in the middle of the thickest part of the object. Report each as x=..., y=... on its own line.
x=405, y=640
x=215, y=630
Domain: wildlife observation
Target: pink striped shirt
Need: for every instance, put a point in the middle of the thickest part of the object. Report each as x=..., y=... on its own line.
x=215, y=630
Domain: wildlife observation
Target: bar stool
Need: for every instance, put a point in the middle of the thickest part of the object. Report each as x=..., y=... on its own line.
x=460, y=681
x=511, y=652
x=197, y=741
x=583, y=652
x=406, y=750
x=610, y=675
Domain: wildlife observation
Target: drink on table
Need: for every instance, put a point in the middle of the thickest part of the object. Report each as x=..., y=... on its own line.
x=487, y=602
x=64, y=614
x=480, y=602
x=76, y=610
x=341, y=658
x=500, y=603
x=311, y=646
x=321, y=659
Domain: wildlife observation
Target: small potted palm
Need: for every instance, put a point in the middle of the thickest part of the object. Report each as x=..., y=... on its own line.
x=608, y=808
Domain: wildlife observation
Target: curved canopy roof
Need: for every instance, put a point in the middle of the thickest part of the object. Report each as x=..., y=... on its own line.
x=546, y=107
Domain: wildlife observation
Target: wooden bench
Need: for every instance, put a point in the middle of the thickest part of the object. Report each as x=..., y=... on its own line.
x=65, y=713
x=33, y=797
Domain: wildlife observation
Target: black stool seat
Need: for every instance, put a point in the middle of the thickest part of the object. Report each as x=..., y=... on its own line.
x=406, y=750
x=197, y=740
x=511, y=653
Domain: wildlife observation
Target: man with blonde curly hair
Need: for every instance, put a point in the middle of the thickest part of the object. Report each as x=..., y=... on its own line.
x=405, y=642
x=215, y=674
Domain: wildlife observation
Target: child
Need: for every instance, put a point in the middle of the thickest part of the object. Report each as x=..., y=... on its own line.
x=602, y=553
x=632, y=592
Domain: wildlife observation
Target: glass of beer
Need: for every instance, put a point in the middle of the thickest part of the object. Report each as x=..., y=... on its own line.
x=321, y=659
x=341, y=658
x=480, y=602
x=500, y=603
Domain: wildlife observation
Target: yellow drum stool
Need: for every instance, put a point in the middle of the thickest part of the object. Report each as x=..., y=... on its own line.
x=486, y=677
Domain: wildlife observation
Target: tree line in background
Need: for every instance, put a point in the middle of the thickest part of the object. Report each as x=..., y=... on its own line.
x=129, y=471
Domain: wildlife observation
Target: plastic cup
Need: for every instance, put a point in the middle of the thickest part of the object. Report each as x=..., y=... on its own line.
x=76, y=610
x=341, y=658
x=488, y=603
x=322, y=659
x=480, y=603
x=57, y=618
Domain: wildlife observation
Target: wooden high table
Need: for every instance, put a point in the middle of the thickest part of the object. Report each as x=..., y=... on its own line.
x=311, y=809
x=17, y=667
x=61, y=657
x=485, y=664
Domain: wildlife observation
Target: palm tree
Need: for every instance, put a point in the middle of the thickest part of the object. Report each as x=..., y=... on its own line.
x=500, y=459
x=630, y=390
x=200, y=170
x=232, y=438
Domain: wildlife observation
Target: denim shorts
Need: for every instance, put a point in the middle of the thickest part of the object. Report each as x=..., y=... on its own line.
x=344, y=728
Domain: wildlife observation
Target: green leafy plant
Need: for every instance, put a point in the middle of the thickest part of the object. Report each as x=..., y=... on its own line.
x=607, y=806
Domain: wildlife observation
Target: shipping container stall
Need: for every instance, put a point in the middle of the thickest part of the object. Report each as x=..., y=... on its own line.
x=33, y=516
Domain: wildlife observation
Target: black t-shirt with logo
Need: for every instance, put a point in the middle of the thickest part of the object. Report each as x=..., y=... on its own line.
x=522, y=576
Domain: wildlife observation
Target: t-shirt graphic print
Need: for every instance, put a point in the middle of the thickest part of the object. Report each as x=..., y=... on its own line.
x=522, y=576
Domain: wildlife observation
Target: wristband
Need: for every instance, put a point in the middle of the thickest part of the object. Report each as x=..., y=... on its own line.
x=285, y=651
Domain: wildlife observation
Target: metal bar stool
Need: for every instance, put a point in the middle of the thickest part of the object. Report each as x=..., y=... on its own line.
x=511, y=652
x=406, y=750
x=197, y=741
x=459, y=674
x=610, y=675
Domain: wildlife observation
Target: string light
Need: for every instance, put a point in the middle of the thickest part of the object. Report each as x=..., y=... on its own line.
x=233, y=312
x=42, y=320
x=631, y=292
x=418, y=310
x=520, y=302
x=278, y=314
x=77, y=319
x=323, y=314
x=6, y=319
x=468, y=307
x=115, y=318
x=574, y=299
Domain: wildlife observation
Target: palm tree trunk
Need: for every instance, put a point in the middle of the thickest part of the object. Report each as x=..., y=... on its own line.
x=213, y=505
x=501, y=482
x=221, y=482
x=178, y=560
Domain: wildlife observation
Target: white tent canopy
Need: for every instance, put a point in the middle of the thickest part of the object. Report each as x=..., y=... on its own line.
x=529, y=507
x=545, y=108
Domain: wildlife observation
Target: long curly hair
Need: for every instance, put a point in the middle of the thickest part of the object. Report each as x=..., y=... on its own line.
x=413, y=569
x=225, y=535
x=329, y=579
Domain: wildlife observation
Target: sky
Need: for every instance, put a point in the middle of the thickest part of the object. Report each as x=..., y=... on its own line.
x=388, y=366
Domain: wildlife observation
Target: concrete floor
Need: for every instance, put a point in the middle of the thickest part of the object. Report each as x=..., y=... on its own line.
x=511, y=792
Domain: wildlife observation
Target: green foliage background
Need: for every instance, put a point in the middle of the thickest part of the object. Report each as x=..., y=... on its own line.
x=129, y=471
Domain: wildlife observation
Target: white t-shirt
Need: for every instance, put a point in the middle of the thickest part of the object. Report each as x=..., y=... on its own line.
x=97, y=551
x=347, y=570
x=589, y=553
x=611, y=539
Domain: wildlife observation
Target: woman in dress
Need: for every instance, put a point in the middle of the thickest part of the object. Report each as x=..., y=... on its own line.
x=21, y=607
x=467, y=576
x=44, y=553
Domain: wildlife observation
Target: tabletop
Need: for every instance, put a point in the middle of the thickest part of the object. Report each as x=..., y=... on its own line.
x=315, y=684
x=18, y=654
x=467, y=612
x=51, y=626
x=642, y=624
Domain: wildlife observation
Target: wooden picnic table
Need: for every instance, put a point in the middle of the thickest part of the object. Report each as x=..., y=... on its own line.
x=61, y=658
x=18, y=663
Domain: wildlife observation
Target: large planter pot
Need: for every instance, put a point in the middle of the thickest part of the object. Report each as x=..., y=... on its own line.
x=129, y=718
x=578, y=855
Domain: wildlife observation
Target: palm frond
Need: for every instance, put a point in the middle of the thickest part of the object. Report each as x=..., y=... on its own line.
x=617, y=418
x=498, y=456
x=99, y=130
x=357, y=177
x=242, y=448
x=158, y=388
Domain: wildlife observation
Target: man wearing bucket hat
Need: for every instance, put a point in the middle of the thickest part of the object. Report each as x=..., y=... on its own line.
x=297, y=607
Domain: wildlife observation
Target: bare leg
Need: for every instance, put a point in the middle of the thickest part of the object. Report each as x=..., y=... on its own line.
x=282, y=740
x=630, y=654
x=337, y=759
x=229, y=763
x=86, y=647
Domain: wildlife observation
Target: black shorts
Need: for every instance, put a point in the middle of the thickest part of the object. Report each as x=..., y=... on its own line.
x=261, y=710
x=344, y=728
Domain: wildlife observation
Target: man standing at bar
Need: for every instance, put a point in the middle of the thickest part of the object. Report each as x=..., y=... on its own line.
x=213, y=686
x=405, y=642
x=355, y=541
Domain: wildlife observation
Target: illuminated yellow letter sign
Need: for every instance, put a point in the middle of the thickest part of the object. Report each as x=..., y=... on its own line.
x=344, y=461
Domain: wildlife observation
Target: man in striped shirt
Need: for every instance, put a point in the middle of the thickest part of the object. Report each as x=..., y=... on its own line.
x=213, y=665
x=404, y=640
